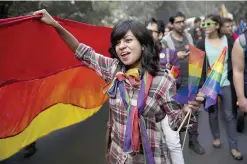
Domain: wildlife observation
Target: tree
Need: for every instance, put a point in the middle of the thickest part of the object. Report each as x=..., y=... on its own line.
x=4, y=8
x=87, y=11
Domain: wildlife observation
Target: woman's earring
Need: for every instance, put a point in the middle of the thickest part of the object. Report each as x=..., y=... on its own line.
x=142, y=48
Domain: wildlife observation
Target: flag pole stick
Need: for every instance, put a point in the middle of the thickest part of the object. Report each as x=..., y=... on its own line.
x=187, y=127
x=187, y=115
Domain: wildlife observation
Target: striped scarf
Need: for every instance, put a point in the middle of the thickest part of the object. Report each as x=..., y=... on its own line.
x=135, y=127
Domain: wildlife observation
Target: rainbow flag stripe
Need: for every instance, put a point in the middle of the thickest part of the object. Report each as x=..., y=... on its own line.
x=211, y=87
x=196, y=60
x=175, y=71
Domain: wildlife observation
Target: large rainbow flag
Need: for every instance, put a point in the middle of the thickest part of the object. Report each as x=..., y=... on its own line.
x=196, y=60
x=43, y=87
x=211, y=87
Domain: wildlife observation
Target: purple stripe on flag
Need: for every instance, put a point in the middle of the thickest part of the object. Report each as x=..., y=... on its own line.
x=209, y=102
x=182, y=96
x=210, y=87
x=211, y=96
x=209, y=92
x=181, y=99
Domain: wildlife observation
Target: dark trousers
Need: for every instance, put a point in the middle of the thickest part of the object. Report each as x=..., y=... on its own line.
x=230, y=117
x=193, y=131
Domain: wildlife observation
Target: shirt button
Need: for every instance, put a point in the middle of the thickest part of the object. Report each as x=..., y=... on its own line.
x=124, y=156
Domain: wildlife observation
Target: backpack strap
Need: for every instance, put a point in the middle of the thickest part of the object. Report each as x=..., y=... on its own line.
x=242, y=41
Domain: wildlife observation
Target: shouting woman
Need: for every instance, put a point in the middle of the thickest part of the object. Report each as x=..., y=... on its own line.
x=140, y=93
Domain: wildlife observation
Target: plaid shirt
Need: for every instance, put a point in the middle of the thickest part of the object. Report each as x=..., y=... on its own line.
x=159, y=103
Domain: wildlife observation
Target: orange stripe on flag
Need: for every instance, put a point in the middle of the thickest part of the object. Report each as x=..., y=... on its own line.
x=78, y=86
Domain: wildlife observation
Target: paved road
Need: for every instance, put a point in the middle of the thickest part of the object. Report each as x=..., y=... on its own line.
x=83, y=143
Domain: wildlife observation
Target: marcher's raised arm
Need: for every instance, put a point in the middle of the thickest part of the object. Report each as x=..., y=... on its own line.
x=68, y=38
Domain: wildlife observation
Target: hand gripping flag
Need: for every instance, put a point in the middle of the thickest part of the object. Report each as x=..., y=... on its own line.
x=43, y=87
x=211, y=87
x=196, y=60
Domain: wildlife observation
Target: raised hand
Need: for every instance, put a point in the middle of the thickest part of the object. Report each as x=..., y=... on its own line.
x=46, y=17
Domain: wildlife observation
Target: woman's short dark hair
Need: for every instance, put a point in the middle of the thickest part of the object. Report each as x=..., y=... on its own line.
x=217, y=19
x=149, y=57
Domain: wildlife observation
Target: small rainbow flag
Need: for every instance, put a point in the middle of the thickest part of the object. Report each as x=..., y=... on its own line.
x=196, y=59
x=175, y=71
x=211, y=87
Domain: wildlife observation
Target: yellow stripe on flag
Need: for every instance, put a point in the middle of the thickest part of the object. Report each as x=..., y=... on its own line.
x=53, y=118
x=218, y=67
x=194, y=70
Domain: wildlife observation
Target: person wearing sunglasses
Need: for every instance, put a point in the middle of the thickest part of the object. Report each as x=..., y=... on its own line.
x=208, y=24
x=179, y=40
x=168, y=59
x=213, y=44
